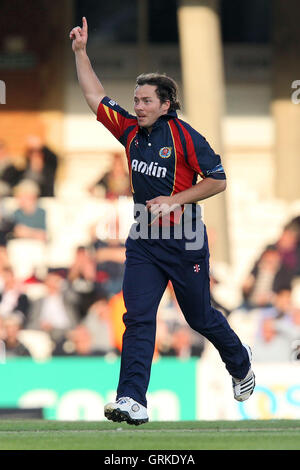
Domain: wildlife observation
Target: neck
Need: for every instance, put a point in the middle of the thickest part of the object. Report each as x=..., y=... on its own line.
x=147, y=129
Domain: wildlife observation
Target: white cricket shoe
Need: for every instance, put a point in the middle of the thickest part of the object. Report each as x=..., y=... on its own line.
x=126, y=409
x=243, y=388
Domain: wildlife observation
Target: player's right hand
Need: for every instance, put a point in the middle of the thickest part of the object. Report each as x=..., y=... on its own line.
x=79, y=36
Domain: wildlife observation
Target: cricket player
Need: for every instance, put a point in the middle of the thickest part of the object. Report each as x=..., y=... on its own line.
x=165, y=156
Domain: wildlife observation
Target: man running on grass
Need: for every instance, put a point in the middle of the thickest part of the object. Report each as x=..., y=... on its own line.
x=165, y=156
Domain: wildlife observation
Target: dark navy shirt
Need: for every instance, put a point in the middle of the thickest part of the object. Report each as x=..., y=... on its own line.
x=164, y=162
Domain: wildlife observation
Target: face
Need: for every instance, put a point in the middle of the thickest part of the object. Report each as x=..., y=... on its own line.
x=53, y=282
x=147, y=105
x=288, y=240
x=26, y=200
x=283, y=300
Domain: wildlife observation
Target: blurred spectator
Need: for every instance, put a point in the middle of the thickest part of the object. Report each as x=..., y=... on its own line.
x=182, y=342
x=40, y=165
x=99, y=323
x=56, y=311
x=215, y=304
x=12, y=299
x=163, y=339
x=109, y=255
x=278, y=328
x=281, y=303
x=110, y=259
x=10, y=173
x=5, y=158
x=77, y=342
x=82, y=277
x=6, y=225
x=29, y=218
x=288, y=246
x=276, y=268
x=12, y=325
x=186, y=344
x=267, y=276
x=174, y=337
x=115, y=182
x=117, y=310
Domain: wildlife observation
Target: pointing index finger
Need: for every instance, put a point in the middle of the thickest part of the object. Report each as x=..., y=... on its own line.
x=84, y=24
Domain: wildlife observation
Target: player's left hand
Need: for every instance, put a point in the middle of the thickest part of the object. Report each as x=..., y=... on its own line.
x=161, y=205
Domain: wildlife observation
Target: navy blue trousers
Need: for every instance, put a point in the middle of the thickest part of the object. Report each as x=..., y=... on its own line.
x=150, y=264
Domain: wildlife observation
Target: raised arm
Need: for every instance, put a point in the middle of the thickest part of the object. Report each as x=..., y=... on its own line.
x=91, y=87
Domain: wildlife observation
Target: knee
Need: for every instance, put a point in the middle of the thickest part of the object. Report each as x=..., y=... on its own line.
x=208, y=321
x=138, y=319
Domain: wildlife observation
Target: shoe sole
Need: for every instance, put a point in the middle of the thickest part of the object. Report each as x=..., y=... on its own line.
x=119, y=416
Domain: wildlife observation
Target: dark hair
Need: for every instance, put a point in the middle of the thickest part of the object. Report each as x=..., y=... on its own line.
x=293, y=225
x=166, y=87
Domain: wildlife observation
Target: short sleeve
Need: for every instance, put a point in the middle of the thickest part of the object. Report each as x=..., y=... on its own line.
x=207, y=163
x=199, y=154
x=116, y=119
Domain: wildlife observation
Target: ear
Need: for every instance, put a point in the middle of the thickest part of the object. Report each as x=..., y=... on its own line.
x=166, y=105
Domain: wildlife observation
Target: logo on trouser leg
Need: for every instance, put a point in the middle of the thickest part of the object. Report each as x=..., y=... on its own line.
x=196, y=268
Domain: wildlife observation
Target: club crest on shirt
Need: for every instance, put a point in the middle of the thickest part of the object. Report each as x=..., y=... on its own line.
x=165, y=152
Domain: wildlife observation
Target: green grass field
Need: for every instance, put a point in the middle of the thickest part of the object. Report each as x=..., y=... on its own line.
x=184, y=435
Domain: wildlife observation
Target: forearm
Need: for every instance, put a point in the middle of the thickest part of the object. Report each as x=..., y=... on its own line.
x=91, y=86
x=205, y=189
